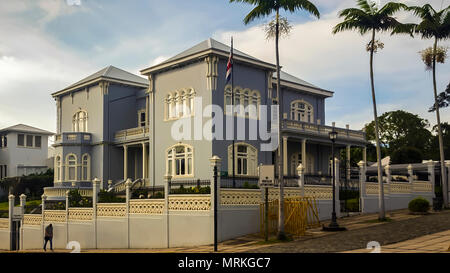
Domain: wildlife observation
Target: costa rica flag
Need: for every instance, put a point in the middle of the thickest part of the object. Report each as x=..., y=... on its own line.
x=230, y=63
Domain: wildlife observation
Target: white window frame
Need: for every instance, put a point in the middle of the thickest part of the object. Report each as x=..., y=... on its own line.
x=68, y=166
x=251, y=157
x=80, y=121
x=179, y=104
x=86, y=167
x=140, y=112
x=172, y=159
x=305, y=114
x=58, y=168
x=243, y=98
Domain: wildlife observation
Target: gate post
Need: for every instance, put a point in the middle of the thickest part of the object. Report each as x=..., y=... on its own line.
x=410, y=174
x=362, y=184
x=167, y=179
x=127, y=194
x=23, y=201
x=301, y=179
x=95, y=184
x=10, y=216
x=215, y=193
x=67, y=216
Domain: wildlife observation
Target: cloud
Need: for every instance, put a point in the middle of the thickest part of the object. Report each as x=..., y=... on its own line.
x=340, y=63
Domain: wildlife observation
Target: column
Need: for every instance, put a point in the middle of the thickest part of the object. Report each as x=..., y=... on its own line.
x=167, y=179
x=67, y=217
x=23, y=201
x=365, y=154
x=144, y=161
x=447, y=164
x=95, y=184
x=410, y=174
x=10, y=215
x=301, y=179
x=44, y=198
x=125, y=162
x=285, y=162
x=304, y=162
x=127, y=194
x=215, y=161
x=432, y=175
x=347, y=163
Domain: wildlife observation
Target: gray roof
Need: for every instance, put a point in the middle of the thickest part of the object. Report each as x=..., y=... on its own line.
x=209, y=44
x=26, y=129
x=213, y=44
x=111, y=72
x=289, y=78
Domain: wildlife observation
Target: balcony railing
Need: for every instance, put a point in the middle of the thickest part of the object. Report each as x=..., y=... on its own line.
x=73, y=138
x=322, y=130
x=131, y=134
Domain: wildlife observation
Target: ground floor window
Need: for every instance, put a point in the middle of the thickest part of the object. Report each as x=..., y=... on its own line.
x=245, y=159
x=3, y=171
x=86, y=167
x=180, y=160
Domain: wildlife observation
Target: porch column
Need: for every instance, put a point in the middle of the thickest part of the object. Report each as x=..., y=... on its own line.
x=125, y=162
x=285, y=162
x=365, y=155
x=144, y=161
x=347, y=163
x=305, y=166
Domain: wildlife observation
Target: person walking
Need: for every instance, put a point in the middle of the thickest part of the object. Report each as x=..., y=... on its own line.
x=48, y=237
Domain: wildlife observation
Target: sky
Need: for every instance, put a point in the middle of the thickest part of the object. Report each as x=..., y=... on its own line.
x=47, y=45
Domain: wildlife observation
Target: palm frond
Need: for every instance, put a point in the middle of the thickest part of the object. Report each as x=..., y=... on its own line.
x=404, y=29
x=365, y=6
x=391, y=8
x=294, y=5
x=351, y=25
x=258, y=12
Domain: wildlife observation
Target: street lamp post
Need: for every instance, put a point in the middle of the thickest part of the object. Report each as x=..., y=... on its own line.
x=334, y=226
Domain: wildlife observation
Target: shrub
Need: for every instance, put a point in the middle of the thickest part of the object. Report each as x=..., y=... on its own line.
x=109, y=197
x=419, y=204
x=406, y=155
x=352, y=205
x=78, y=201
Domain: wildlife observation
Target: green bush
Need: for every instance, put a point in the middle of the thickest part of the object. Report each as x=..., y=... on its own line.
x=352, y=205
x=32, y=185
x=78, y=201
x=348, y=194
x=419, y=204
x=406, y=155
x=109, y=197
x=191, y=190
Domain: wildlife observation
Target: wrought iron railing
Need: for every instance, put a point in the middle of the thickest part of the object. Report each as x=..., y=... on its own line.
x=240, y=182
x=195, y=186
x=318, y=179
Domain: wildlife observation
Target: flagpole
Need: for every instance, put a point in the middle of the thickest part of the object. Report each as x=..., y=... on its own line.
x=232, y=109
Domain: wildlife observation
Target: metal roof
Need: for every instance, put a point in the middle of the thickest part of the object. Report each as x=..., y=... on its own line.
x=25, y=129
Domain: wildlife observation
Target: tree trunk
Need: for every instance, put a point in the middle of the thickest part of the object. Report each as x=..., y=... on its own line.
x=441, y=144
x=281, y=234
x=382, y=214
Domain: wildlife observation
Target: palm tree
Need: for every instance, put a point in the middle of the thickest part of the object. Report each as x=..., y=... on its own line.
x=434, y=25
x=265, y=8
x=369, y=18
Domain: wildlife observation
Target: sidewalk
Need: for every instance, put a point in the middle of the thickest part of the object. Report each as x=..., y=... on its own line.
x=360, y=230
x=433, y=243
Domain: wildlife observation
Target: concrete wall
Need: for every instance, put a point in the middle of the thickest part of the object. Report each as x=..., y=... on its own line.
x=235, y=221
x=5, y=239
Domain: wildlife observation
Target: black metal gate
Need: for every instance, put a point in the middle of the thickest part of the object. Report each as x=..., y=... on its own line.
x=15, y=235
x=349, y=190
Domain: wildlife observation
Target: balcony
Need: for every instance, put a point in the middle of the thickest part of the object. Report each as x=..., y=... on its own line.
x=322, y=131
x=131, y=134
x=73, y=138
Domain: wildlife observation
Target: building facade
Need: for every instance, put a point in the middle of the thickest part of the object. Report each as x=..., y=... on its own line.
x=115, y=125
x=23, y=150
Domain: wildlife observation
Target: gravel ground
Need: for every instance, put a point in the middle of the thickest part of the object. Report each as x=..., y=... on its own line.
x=387, y=233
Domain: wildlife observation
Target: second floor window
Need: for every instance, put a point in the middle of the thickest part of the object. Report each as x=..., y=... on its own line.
x=142, y=118
x=302, y=111
x=71, y=167
x=246, y=101
x=3, y=142
x=80, y=121
x=179, y=104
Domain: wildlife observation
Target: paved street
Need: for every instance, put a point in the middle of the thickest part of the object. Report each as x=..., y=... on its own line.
x=403, y=233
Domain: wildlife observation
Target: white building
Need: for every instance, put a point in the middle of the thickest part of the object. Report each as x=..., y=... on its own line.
x=23, y=150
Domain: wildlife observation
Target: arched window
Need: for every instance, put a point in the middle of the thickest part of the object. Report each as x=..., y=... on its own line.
x=71, y=167
x=180, y=160
x=246, y=159
x=302, y=111
x=243, y=98
x=86, y=167
x=80, y=121
x=58, y=170
x=179, y=104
